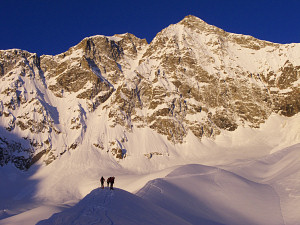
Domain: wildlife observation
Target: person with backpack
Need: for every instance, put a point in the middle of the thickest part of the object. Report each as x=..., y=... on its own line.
x=112, y=180
x=102, y=182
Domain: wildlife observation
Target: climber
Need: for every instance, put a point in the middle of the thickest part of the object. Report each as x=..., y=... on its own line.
x=112, y=180
x=102, y=182
x=108, y=181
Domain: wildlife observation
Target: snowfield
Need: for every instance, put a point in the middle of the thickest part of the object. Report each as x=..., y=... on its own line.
x=209, y=195
x=249, y=176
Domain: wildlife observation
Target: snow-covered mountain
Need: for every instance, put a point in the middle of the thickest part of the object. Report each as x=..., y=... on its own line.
x=120, y=106
x=193, y=78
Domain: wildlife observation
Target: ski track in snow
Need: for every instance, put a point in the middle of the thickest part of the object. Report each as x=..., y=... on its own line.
x=160, y=190
x=107, y=201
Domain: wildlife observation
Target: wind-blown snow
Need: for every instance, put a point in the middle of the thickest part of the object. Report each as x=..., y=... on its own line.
x=211, y=194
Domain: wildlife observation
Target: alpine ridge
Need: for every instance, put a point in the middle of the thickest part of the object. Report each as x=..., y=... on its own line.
x=193, y=79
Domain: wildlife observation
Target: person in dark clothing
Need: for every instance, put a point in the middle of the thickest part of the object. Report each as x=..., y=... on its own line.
x=112, y=180
x=102, y=182
x=108, y=181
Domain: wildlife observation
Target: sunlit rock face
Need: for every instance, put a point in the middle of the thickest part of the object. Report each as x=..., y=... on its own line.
x=193, y=77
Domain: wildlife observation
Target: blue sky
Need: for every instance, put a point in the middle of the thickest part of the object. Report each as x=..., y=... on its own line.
x=52, y=27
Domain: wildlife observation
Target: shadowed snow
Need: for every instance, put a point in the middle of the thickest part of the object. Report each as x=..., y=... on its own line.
x=200, y=193
x=104, y=206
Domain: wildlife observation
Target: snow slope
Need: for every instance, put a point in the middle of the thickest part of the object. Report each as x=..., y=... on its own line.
x=113, y=207
x=32, y=216
x=227, y=176
x=281, y=170
x=256, y=193
x=197, y=192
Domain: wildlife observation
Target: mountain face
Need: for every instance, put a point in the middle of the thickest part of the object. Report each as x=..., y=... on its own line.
x=192, y=78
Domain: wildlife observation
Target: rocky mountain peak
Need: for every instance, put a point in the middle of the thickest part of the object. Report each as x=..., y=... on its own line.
x=193, y=78
x=193, y=20
x=198, y=25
